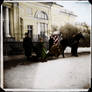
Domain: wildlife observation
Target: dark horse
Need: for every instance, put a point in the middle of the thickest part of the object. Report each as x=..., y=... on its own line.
x=73, y=42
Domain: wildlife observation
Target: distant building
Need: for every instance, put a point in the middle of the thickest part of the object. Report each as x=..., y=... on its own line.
x=37, y=18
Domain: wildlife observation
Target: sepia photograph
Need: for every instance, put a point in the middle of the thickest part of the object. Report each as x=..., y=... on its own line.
x=45, y=44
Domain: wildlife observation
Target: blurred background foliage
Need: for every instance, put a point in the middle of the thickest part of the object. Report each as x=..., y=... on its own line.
x=69, y=30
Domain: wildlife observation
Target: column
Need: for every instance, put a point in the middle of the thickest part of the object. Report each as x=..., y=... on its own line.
x=7, y=22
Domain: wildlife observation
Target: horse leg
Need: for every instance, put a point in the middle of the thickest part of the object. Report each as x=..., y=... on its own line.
x=76, y=48
x=63, y=49
x=63, y=54
x=72, y=51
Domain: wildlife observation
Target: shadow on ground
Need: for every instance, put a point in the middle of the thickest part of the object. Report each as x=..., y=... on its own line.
x=22, y=61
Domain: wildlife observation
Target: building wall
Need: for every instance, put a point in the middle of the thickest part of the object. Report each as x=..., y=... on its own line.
x=27, y=11
x=16, y=21
x=23, y=14
x=11, y=20
x=60, y=17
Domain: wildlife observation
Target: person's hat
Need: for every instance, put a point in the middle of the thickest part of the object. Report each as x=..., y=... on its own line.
x=26, y=33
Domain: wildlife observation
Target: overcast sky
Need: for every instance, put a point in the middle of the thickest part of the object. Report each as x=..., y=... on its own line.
x=81, y=9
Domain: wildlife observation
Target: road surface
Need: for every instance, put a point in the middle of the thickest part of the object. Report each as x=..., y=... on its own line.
x=62, y=73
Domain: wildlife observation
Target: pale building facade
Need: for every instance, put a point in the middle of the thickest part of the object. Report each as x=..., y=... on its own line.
x=33, y=17
x=60, y=16
x=10, y=20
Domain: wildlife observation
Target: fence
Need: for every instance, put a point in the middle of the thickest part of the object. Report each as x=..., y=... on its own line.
x=16, y=48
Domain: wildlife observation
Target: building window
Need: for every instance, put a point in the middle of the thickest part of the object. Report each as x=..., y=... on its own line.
x=42, y=30
x=42, y=26
x=41, y=15
x=29, y=11
x=30, y=29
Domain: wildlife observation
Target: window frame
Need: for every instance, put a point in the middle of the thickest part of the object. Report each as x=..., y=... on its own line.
x=41, y=15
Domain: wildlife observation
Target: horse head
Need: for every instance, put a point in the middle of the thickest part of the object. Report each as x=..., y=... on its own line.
x=79, y=36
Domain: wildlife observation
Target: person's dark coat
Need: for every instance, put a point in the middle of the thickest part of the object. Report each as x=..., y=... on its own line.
x=40, y=50
x=51, y=41
x=27, y=45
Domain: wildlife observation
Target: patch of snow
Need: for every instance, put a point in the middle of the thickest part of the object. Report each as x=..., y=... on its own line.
x=80, y=49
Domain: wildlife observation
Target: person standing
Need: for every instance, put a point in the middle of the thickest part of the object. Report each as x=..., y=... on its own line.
x=41, y=50
x=27, y=45
x=51, y=41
